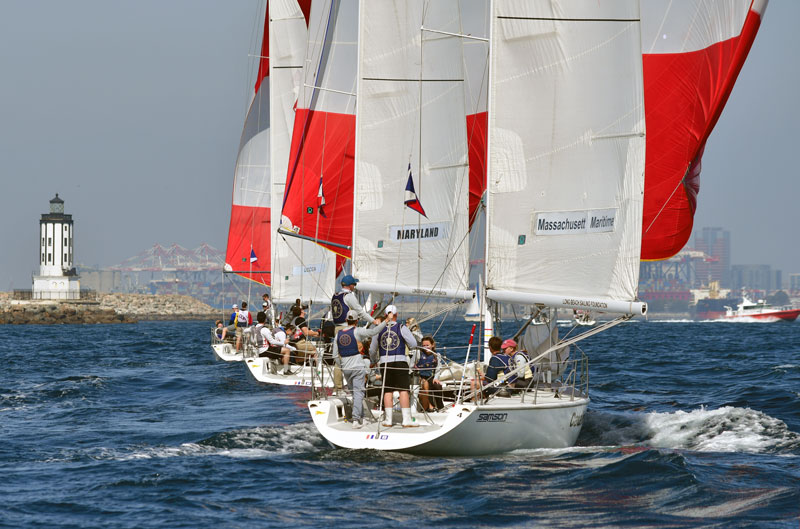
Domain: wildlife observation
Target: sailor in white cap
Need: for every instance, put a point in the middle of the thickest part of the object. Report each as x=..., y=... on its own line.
x=348, y=358
x=389, y=350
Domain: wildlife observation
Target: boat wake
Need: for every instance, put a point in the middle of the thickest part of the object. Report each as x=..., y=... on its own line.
x=725, y=429
x=246, y=443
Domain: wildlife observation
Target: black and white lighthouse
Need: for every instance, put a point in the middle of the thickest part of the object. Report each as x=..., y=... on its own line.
x=57, y=278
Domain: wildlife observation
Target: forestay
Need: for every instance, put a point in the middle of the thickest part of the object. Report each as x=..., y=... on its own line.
x=566, y=152
x=411, y=209
x=300, y=268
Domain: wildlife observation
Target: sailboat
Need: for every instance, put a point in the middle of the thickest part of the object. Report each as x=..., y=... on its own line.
x=410, y=93
x=294, y=269
x=565, y=181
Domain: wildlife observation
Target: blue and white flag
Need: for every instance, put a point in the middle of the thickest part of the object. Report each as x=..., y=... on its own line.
x=412, y=200
x=321, y=199
x=253, y=257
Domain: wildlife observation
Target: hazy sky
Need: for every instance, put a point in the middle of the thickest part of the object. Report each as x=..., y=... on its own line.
x=132, y=111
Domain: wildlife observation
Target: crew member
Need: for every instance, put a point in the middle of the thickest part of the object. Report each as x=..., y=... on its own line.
x=389, y=350
x=347, y=357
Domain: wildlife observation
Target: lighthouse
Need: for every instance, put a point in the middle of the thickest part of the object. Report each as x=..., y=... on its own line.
x=57, y=278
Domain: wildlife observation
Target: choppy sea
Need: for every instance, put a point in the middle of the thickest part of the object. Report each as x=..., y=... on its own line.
x=690, y=425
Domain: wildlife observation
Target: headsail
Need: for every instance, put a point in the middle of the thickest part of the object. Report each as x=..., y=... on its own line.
x=693, y=51
x=300, y=269
x=566, y=163
x=318, y=201
x=249, y=248
x=474, y=22
x=412, y=175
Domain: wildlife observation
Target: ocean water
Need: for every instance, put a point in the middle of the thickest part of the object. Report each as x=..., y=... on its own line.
x=690, y=425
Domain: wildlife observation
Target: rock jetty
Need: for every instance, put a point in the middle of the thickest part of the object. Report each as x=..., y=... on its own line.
x=109, y=308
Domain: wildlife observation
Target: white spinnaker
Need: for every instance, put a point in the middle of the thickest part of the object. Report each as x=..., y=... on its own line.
x=411, y=111
x=566, y=145
x=691, y=25
x=300, y=269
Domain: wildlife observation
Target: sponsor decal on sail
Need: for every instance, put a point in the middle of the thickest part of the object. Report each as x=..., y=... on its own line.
x=572, y=222
x=419, y=232
x=304, y=270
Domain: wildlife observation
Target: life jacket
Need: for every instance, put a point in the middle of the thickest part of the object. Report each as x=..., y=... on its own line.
x=242, y=318
x=347, y=343
x=339, y=308
x=391, y=344
x=505, y=360
x=260, y=343
x=527, y=374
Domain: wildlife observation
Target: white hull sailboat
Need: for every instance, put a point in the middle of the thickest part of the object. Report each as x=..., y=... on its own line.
x=561, y=89
x=269, y=371
x=464, y=429
x=293, y=269
x=537, y=254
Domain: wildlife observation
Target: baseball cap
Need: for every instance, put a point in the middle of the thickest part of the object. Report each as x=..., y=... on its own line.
x=352, y=315
x=391, y=309
x=508, y=342
x=264, y=304
x=235, y=306
x=349, y=280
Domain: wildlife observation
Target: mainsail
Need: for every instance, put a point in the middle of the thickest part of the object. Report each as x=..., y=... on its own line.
x=300, y=269
x=318, y=201
x=693, y=51
x=566, y=163
x=410, y=221
x=248, y=251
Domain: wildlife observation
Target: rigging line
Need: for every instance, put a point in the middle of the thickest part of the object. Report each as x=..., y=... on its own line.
x=664, y=205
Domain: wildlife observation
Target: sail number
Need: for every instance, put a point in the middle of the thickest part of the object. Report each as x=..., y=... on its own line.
x=576, y=419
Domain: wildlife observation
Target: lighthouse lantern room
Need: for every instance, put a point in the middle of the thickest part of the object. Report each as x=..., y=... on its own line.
x=57, y=278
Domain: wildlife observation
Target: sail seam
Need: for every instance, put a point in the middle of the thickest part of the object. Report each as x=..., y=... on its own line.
x=412, y=80
x=556, y=19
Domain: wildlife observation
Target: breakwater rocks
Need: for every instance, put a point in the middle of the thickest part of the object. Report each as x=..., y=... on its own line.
x=158, y=307
x=109, y=308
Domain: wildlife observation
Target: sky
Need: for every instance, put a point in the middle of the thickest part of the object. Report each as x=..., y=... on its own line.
x=132, y=112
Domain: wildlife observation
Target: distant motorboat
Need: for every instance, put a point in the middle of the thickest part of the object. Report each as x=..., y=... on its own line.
x=748, y=310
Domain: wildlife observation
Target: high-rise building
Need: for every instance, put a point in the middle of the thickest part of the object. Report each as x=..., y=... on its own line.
x=716, y=244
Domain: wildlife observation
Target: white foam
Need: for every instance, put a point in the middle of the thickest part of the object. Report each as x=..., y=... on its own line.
x=726, y=429
x=250, y=443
